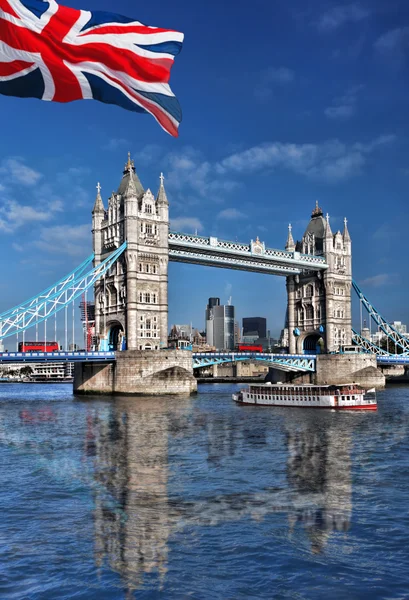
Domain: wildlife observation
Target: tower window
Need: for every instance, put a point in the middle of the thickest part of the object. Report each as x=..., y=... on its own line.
x=148, y=228
x=309, y=291
x=147, y=268
x=148, y=208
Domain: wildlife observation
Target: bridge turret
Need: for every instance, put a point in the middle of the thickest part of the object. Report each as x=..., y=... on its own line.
x=346, y=237
x=98, y=214
x=319, y=305
x=132, y=301
x=290, y=245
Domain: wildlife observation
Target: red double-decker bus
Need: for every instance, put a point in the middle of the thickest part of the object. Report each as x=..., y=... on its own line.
x=38, y=347
x=249, y=348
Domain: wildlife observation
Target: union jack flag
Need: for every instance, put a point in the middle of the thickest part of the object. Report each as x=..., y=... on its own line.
x=58, y=53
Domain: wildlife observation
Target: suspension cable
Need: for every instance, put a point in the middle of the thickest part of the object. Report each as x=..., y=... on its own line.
x=66, y=323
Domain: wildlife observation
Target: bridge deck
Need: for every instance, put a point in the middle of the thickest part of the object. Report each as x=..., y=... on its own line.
x=36, y=357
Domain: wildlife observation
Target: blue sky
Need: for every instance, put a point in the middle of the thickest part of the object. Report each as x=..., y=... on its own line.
x=283, y=105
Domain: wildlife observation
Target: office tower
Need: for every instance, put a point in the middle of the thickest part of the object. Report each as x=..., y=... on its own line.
x=220, y=325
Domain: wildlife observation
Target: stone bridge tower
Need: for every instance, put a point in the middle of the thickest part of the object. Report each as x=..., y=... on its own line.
x=319, y=304
x=131, y=302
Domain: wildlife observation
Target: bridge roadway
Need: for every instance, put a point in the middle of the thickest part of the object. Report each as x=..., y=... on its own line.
x=286, y=362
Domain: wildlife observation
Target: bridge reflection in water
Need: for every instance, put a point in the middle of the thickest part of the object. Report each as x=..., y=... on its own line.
x=145, y=493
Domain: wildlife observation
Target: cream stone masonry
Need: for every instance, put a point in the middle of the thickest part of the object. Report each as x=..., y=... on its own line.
x=131, y=302
x=319, y=304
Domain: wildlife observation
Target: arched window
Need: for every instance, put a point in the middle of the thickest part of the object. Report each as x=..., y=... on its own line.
x=140, y=266
x=309, y=311
x=140, y=298
x=148, y=208
x=154, y=299
x=146, y=268
x=309, y=291
x=147, y=297
x=113, y=294
x=300, y=315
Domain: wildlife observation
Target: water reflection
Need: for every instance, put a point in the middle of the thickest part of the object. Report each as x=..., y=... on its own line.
x=138, y=505
x=132, y=524
x=319, y=472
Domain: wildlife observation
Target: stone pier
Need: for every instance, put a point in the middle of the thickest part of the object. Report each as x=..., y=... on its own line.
x=135, y=372
x=347, y=368
x=337, y=368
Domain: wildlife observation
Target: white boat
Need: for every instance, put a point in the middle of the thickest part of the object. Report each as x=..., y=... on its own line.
x=343, y=396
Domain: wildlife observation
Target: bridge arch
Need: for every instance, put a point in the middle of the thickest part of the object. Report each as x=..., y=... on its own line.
x=311, y=343
x=115, y=336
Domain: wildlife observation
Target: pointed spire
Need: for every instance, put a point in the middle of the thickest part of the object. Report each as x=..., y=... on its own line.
x=345, y=233
x=99, y=205
x=130, y=185
x=130, y=165
x=328, y=231
x=161, y=198
x=317, y=212
x=130, y=189
x=290, y=245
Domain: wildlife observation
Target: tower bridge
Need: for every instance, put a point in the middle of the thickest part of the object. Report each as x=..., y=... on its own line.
x=128, y=273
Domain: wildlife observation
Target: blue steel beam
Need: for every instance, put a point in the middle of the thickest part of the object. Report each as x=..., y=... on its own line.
x=285, y=362
x=387, y=328
x=45, y=307
x=366, y=345
x=55, y=357
x=393, y=359
x=62, y=284
x=210, y=251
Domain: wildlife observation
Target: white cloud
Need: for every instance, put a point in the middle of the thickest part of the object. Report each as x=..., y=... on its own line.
x=380, y=280
x=148, y=154
x=329, y=161
x=393, y=41
x=344, y=107
x=16, y=171
x=231, y=214
x=189, y=170
x=342, y=111
x=62, y=239
x=337, y=16
x=271, y=77
x=115, y=144
x=186, y=224
x=14, y=215
x=17, y=247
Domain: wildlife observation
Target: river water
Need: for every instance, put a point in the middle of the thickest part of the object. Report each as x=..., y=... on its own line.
x=199, y=498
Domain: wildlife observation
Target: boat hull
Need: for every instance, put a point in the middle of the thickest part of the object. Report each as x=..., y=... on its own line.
x=294, y=405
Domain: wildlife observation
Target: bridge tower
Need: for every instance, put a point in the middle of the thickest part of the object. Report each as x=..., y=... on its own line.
x=319, y=304
x=131, y=302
